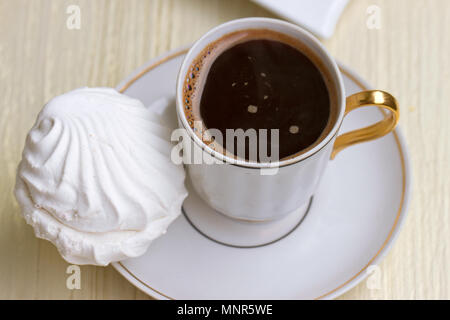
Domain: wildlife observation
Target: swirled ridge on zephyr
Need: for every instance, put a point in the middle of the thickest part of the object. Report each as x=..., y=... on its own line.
x=96, y=177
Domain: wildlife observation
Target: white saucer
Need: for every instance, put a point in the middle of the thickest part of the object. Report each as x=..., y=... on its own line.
x=320, y=17
x=353, y=220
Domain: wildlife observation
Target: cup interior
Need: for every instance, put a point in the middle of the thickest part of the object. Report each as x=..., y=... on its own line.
x=280, y=26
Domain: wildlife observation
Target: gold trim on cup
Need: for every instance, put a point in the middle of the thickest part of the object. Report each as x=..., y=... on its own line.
x=377, y=98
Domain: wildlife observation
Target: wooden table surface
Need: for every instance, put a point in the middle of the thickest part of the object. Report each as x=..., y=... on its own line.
x=40, y=58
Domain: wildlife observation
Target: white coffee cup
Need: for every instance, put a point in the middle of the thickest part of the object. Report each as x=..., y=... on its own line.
x=267, y=191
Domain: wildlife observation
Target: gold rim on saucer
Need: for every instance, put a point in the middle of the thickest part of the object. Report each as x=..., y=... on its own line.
x=397, y=141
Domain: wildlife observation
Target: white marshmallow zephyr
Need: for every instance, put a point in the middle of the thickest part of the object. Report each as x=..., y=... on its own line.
x=96, y=177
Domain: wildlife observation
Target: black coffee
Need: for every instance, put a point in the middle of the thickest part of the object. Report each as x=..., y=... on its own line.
x=260, y=82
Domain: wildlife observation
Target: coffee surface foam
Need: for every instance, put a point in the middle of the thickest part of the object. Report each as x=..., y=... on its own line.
x=195, y=80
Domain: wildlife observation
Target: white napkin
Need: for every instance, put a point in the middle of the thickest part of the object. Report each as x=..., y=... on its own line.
x=318, y=16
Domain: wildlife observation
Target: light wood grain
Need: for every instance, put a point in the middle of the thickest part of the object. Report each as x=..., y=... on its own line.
x=40, y=58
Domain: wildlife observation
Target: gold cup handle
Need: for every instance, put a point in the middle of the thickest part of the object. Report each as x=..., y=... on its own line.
x=377, y=98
